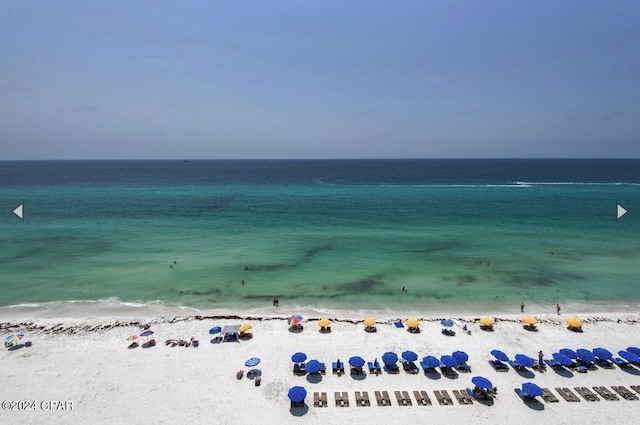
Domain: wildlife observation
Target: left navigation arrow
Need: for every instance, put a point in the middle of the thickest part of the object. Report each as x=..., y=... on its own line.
x=19, y=211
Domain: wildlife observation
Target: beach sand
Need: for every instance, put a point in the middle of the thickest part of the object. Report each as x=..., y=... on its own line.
x=86, y=362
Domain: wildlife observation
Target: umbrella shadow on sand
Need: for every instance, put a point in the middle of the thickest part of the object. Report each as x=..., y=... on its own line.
x=434, y=376
x=314, y=378
x=534, y=405
x=526, y=373
x=631, y=370
x=16, y=347
x=563, y=372
x=295, y=329
x=299, y=411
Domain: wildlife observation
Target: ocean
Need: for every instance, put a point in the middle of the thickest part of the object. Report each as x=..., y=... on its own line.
x=320, y=234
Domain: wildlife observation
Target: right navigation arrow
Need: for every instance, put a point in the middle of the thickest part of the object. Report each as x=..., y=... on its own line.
x=620, y=211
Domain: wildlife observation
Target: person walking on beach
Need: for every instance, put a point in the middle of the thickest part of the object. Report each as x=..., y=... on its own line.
x=521, y=307
x=558, y=308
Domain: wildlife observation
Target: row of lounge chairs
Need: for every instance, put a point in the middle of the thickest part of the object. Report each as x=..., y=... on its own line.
x=402, y=398
x=584, y=392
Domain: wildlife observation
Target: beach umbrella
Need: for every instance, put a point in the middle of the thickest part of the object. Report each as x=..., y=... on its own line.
x=530, y=320
x=244, y=327
x=252, y=362
x=215, y=330
x=569, y=353
x=298, y=357
x=430, y=361
x=481, y=382
x=147, y=333
x=356, y=361
x=324, y=322
x=487, y=321
x=446, y=323
x=313, y=366
x=460, y=356
x=132, y=338
x=531, y=389
x=574, y=322
x=389, y=358
x=294, y=320
x=634, y=350
x=562, y=359
x=602, y=353
x=297, y=394
x=448, y=361
x=15, y=337
x=499, y=355
x=412, y=323
x=369, y=321
x=585, y=355
x=524, y=360
x=630, y=357
x=409, y=356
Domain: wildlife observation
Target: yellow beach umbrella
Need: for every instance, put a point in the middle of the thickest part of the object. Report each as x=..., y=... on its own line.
x=412, y=323
x=324, y=322
x=487, y=321
x=530, y=320
x=369, y=321
x=574, y=322
x=244, y=327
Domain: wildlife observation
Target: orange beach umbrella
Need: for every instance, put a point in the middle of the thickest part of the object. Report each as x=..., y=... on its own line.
x=324, y=322
x=412, y=323
x=530, y=320
x=487, y=321
x=574, y=322
x=369, y=321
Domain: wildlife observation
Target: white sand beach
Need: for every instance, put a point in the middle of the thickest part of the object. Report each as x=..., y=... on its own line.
x=86, y=362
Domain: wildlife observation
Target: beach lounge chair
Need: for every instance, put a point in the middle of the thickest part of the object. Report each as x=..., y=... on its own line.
x=498, y=366
x=525, y=397
x=554, y=364
x=605, y=364
x=370, y=329
x=342, y=399
x=587, y=394
x=448, y=372
x=398, y=324
x=362, y=398
x=463, y=367
x=403, y=398
x=635, y=388
x=567, y=394
x=548, y=396
x=517, y=366
x=320, y=399
x=621, y=362
x=393, y=369
x=625, y=393
x=462, y=397
x=323, y=369
x=606, y=394
x=410, y=367
x=443, y=397
x=422, y=398
x=298, y=369
x=297, y=404
x=338, y=368
x=373, y=368
x=382, y=397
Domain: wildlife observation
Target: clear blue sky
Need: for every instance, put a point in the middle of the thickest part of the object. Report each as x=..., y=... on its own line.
x=319, y=79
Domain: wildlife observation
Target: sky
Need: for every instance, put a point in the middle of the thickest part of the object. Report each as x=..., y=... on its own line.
x=319, y=79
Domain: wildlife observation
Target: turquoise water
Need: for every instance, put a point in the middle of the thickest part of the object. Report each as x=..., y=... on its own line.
x=324, y=234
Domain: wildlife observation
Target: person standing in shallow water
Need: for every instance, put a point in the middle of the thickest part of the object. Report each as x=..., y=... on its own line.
x=521, y=307
x=558, y=308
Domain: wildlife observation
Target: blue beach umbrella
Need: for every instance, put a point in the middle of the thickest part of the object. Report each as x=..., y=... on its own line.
x=569, y=353
x=482, y=382
x=446, y=323
x=430, y=361
x=215, y=330
x=562, y=359
x=356, y=361
x=253, y=361
x=460, y=356
x=448, y=361
x=602, y=353
x=630, y=357
x=146, y=333
x=524, y=360
x=389, y=358
x=499, y=355
x=585, y=355
x=634, y=350
x=409, y=356
x=297, y=394
x=298, y=357
x=313, y=366
x=531, y=389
